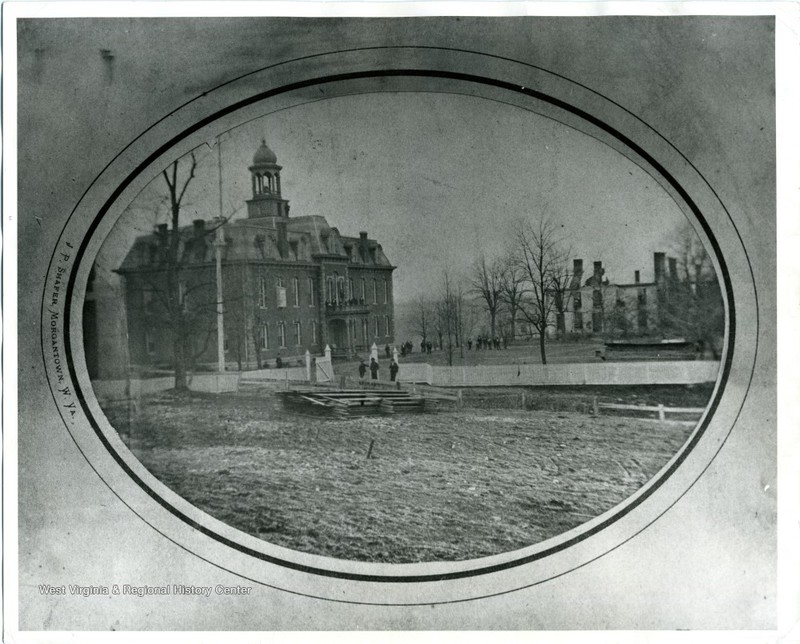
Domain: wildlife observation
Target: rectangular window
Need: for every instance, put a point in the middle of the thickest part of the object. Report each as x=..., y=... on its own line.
x=282, y=334
x=297, y=336
x=330, y=296
x=340, y=297
x=385, y=291
x=351, y=292
x=264, y=337
x=374, y=291
x=149, y=343
x=313, y=331
x=364, y=331
x=363, y=290
x=310, y=292
x=280, y=294
x=148, y=302
x=386, y=323
x=377, y=326
x=296, y=288
x=262, y=293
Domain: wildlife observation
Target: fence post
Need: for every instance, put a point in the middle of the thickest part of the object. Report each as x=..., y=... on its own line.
x=661, y=414
x=595, y=408
x=460, y=399
x=523, y=400
x=287, y=378
x=308, y=365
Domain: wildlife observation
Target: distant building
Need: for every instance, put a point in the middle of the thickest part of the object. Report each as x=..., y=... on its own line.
x=104, y=330
x=595, y=306
x=289, y=284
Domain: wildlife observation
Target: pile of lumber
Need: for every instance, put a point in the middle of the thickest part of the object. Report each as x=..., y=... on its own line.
x=352, y=402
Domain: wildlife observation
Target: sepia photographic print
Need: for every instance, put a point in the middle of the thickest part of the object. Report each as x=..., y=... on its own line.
x=397, y=323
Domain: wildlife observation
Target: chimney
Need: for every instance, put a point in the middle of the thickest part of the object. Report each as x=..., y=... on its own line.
x=577, y=267
x=658, y=266
x=673, y=268
x=636, y=276
x=598, y=274
x=283, y=242
x=363, y=247
x=199, y=227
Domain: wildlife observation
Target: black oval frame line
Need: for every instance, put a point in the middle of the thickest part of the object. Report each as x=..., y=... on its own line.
x=411, y=72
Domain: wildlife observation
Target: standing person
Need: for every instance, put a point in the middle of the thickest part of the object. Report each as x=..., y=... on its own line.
x=362, y=369
x=373, y=368
x=469, y=344
x=429, y=346
x=393, y=369
x=388, y=351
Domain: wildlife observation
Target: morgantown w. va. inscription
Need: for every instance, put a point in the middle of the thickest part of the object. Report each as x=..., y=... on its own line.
x=53, y=321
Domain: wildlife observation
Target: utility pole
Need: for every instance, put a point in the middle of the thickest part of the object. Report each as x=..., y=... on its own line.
x=219, y=243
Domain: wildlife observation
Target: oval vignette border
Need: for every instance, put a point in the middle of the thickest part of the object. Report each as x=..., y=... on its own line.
x=627, y=506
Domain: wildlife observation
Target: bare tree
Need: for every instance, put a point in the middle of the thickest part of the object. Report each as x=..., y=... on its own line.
x=693, y=305
x=541, y=259
x=449, y=308
x=181, y=287
x=512, y=288
x=423, y=318
x=560, y=282
x=486, y=283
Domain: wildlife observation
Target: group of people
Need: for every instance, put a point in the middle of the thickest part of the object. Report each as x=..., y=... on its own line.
x=485, y=342
x=374, y=367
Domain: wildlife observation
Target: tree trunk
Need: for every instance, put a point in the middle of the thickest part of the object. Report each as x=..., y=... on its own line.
x=561, y=325
x=541, y=347
x=179, y=357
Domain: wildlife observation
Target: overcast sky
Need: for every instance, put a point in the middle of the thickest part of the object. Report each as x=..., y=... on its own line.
x=438, y=178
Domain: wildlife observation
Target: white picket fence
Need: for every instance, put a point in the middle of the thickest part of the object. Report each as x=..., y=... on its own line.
x=594, y=373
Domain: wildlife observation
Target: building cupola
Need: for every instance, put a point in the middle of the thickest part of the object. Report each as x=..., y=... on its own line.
x=265, y=174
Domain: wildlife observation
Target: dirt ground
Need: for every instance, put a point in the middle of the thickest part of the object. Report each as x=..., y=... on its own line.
x=450, y=485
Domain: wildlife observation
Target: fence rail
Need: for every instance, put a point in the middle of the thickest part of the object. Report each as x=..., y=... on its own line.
x=660, y=409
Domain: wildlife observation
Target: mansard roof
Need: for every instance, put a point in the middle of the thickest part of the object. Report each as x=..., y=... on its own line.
x=256, y=240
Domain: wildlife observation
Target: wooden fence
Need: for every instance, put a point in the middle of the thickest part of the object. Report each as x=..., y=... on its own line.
x=661, y=410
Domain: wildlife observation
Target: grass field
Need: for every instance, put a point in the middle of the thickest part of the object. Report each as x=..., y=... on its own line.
x=451, y=485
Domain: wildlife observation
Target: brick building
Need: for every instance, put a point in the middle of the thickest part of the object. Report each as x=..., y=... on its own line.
x=289, y=284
